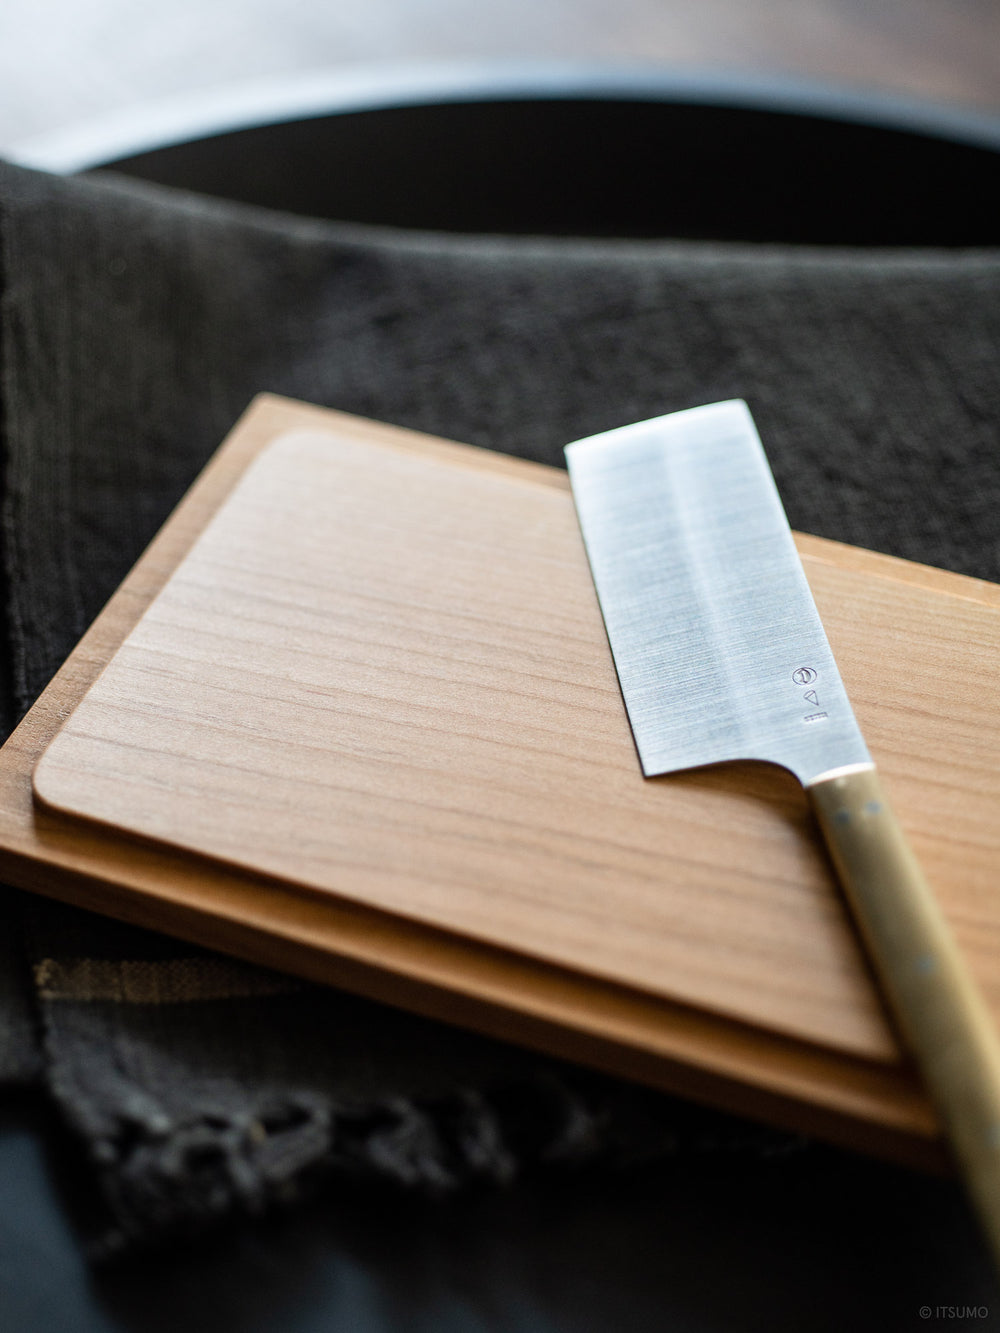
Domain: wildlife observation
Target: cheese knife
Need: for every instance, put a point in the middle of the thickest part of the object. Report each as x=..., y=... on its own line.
x=721, y=656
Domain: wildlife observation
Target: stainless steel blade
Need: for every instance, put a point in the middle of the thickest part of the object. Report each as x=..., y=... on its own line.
x=715, y=635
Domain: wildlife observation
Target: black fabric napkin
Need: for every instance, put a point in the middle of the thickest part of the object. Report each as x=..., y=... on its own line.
x=136, y=326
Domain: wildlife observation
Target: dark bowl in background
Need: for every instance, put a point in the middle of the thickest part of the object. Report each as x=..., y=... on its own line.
x=573, y=150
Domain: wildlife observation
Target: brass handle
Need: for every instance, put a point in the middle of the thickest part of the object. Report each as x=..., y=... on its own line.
x=941, y=1015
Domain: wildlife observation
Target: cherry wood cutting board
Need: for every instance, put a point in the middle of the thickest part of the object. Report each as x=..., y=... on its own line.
x=355, y=715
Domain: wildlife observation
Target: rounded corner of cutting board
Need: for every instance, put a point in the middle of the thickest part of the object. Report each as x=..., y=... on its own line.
x=47, y=789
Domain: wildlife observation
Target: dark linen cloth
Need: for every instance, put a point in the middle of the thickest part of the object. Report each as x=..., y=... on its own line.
x=136, y=326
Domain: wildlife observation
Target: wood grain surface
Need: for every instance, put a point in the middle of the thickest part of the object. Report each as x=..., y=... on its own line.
x=375, y=691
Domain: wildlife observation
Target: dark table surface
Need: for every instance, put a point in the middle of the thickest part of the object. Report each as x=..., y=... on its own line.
x=818, y=1240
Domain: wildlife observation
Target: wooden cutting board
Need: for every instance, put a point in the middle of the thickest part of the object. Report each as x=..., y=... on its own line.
x=354, y=715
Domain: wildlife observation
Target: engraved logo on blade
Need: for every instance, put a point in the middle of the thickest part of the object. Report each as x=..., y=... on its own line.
x=805, y=676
